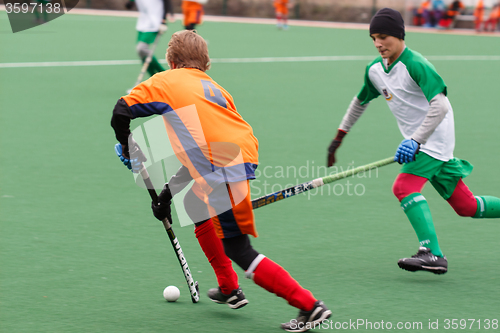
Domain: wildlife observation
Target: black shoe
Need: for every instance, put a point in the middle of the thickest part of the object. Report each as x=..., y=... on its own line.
x=235, y=300
x=308, y=319
x=424, y=260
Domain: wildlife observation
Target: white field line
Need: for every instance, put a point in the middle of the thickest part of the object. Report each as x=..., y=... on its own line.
x=69, y=63
x=238, y=60
x=464, y=58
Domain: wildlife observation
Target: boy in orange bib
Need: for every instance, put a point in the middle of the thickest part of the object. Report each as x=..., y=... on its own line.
x=219, y=152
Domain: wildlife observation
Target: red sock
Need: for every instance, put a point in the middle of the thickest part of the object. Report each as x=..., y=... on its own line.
x=214, y=251
x=463, y=201
x=406, y=184
x=275, y=279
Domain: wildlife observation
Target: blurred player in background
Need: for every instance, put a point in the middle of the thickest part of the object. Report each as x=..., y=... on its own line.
x=281, y=9
x=454, y=9
x=492, y=21
x=198, y=111
x=193, y=13
x=152, y=20
x=438, y=7
x=479, y=15
x=416, y=95
x=425, y=10
x=43, y=16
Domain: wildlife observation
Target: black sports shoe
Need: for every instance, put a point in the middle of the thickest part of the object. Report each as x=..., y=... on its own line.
x=235, y=300
x=307, y=320
x=424, y=260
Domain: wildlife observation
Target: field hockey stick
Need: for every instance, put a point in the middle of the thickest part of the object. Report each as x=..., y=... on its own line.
x=193, y=286
x=147, y=61
x=300, y=188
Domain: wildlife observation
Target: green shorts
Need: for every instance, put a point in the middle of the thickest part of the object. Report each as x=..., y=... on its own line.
x=146, y=37
x=444, y=176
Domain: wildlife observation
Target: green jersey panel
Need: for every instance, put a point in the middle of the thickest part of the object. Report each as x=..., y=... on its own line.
x=424, y=74
x=368, y=91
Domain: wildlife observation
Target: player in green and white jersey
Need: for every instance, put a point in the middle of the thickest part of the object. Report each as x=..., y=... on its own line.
x=151, y=21
x=416, y=95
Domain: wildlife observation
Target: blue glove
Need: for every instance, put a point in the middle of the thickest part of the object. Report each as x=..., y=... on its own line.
x=125, y=160
x=133, y=164
x=406, y=151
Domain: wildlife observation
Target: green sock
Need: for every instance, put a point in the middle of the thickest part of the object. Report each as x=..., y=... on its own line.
x=416, y=208
x=155, y=67
x=487, y=207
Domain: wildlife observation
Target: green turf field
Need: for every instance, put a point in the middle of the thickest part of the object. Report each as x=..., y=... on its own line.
x=81, y=252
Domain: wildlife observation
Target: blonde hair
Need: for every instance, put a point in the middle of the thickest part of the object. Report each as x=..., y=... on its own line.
x=187, y=49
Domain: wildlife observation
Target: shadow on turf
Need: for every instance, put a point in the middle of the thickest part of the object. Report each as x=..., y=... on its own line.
x=421, y=278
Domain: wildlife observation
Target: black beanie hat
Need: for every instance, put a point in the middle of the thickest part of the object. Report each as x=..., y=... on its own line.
x=389, y=22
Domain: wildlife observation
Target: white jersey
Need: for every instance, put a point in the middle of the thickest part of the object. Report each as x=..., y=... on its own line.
x=408, y=85
x=151, y=14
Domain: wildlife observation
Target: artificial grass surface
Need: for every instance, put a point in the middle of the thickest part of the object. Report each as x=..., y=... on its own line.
x=81, y=252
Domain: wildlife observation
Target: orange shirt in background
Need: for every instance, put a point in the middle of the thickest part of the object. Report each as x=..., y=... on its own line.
x=193, y=12
x=281, y=6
